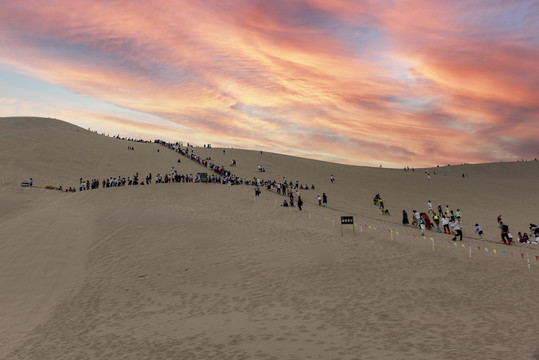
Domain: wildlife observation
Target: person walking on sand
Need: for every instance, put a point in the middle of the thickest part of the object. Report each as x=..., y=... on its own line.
x=428, y=224
x=458, y=229
x=429, y=207
x=324, y=200
x=509, y=238
x=332, y=179
x=445, y=224
x=319, y=200
x=504, y=231
x=479, y=230
x=421, y=223
x=405, y=218
x=417, y=216
x=300, y=203
x=31, y=182
x=436, y=219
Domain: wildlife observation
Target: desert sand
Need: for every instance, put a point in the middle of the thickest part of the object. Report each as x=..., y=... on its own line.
x=209, y=271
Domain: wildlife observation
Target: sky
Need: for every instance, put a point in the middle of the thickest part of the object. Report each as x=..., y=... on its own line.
x=400, y=83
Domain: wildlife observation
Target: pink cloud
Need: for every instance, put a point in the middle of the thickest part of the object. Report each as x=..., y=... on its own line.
x=395, y=82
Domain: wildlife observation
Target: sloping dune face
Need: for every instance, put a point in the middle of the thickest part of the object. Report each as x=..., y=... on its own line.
x=211, y=271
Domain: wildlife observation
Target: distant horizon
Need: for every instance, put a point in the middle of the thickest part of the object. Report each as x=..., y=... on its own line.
x=185, y=142
x=397, y=83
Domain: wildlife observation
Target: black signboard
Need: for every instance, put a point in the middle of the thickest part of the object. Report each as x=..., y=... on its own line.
x=347, y=220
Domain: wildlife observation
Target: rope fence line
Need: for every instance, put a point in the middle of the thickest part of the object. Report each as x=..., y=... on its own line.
x=468, y=247
x=384, y=220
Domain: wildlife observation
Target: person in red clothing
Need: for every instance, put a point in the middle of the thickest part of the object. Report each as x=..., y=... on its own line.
x=428, y=223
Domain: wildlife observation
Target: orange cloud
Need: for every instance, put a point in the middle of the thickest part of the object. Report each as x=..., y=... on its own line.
x=402, y=83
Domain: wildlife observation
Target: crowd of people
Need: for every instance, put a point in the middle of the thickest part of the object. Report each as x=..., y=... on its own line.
x=287, y=188
x=524, y=238
x=451, y=223
x=379, y=201
x=111, y=182
x=447, y=220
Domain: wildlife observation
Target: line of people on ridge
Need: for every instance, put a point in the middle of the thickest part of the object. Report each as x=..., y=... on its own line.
x=286, y=187
x=109, y=182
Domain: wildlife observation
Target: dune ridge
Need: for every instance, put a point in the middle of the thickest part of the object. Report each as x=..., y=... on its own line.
x=206, y=271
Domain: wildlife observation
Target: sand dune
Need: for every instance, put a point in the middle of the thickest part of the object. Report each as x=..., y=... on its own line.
x=207, y=271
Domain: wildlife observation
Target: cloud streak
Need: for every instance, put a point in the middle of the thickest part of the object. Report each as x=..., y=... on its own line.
x=402, y=83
